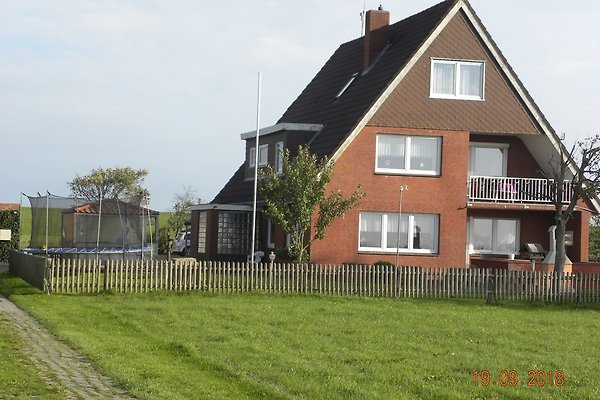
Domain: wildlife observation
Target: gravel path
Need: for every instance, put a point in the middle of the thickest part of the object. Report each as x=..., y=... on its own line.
x=59, y=364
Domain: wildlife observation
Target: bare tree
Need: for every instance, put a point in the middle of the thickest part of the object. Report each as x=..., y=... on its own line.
x=181, y=214
x=581, y=168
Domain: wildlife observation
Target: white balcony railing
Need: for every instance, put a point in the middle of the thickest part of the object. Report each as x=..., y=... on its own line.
x=514, y=190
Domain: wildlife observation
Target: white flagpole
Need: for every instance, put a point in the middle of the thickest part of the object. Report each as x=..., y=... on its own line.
x=99, y=219
x=255, y=172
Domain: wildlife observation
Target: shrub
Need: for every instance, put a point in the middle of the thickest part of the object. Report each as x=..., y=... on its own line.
x=382, y=263
x=9, y=219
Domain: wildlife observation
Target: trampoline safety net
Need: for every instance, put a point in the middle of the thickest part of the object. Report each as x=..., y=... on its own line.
x=75, y=223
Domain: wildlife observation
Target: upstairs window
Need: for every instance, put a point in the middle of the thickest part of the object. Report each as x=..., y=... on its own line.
x=279, y=157
x=457, y=79
x=409, y=155
x=263, y=155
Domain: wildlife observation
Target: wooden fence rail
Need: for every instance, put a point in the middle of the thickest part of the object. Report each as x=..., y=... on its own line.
x=66, y=276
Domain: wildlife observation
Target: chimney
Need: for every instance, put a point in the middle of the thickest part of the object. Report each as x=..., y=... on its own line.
x=377, y=34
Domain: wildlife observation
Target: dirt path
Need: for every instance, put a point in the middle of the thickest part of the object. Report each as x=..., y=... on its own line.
x=59, y=364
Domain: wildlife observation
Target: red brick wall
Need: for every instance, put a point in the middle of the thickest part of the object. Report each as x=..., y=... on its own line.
x=444, y=195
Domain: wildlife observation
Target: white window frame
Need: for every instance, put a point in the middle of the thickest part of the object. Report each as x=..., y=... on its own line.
x=407, y=157
x=279, y=157
x=457, y=80
x=263, y=149
x=411, y=229
x=501, y=146
x=494, y=249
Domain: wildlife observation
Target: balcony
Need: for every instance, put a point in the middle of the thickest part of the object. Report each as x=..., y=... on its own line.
x=488, y=189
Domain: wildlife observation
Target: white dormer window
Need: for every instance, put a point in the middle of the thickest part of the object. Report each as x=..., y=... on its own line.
x=452, y=79
x=263, y=155
x=279, y=157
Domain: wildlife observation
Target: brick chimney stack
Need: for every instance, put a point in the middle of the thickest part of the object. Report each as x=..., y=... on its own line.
x=377, y=34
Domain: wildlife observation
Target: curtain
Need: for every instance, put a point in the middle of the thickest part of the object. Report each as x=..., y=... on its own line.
x=470, y=80
x=391, y=151
x=443, y=79
x=370, y=230
x=424, y=154
x=392, y=231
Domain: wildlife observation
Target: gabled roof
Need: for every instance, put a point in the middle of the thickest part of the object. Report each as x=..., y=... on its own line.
x=318, y=102
x=9, y=207
x=111, y=207
x=344, y=116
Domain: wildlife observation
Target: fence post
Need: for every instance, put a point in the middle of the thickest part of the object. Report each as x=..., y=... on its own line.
x=491, y=287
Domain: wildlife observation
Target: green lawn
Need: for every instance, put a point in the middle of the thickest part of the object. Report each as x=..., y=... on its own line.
x=256, y=346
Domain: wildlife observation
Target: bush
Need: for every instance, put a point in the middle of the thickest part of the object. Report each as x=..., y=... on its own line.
x=164, y=240
x=382, y=263
x=9, y=219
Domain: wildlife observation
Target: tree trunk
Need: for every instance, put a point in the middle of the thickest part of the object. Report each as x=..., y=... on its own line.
x=559, y=262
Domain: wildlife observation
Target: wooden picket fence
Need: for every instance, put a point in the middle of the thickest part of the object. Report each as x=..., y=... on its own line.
x=84, y=276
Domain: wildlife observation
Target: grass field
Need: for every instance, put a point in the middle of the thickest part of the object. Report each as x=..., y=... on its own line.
x=256, y=346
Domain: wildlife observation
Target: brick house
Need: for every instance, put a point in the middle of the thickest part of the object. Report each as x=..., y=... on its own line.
x=428, y=116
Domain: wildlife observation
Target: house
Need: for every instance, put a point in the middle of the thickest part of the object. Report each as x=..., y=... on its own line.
x=428, y=116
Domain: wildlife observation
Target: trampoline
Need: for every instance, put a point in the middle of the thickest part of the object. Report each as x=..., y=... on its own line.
x=70, y=227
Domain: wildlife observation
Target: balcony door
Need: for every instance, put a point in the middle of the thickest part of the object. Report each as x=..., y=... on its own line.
x=487, y=159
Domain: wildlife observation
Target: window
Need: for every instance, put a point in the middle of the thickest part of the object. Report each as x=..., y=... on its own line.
x=493, y=235
x=487, y=159
x=233, y=236
x=457, y=79
x=202, y=232
x=414, y=155
x=416, y=233
x=263, y=155
x=279, y=157
x=347, y=85
x=270, y=234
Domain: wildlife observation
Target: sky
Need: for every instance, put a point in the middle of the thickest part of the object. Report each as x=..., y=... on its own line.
x=169, y=85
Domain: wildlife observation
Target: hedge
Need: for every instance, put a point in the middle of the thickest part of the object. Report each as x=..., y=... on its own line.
x=9, y=219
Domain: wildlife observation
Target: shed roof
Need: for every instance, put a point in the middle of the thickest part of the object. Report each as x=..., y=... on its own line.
x=112, y=207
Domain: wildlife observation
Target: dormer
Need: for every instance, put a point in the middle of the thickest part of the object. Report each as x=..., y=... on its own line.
x=271, y=143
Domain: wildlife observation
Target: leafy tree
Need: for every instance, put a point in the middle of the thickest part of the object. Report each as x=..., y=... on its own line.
x=293, y=197
x=581, y=167
x=110, y=183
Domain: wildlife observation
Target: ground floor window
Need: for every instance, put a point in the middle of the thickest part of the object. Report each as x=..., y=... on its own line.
x=493, y=235
x=202, y=232
x=233, y=235
x=381, y=232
